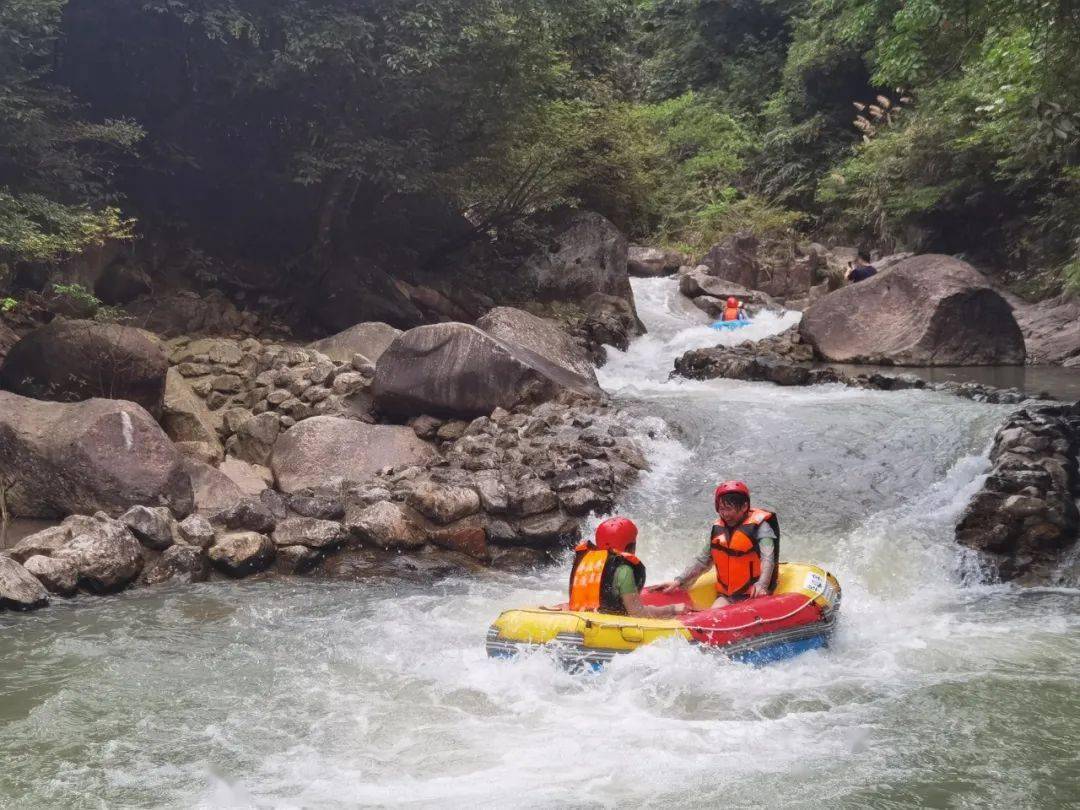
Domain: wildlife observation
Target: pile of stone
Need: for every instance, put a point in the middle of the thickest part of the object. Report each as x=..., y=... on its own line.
x=1025, y=518
x=505, y=489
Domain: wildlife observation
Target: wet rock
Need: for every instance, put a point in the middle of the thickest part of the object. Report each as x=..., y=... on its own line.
x=250, y=514
x=318, y=506
x=153, y=526
x=310, y=532
x=467, y=536
x=19, y=589
x=180, y=563
x=242, y=553
x=383, y=524
x=59, y=576
x=531, y=497
x=454, y=369
x=71, y=361
x=550, y=526
x=295, y=559
x=443, y=504
x=43, y=543
x=88, y=456
x=107, y=556
x=929, y=310
x=195, y=530
x=326, y=452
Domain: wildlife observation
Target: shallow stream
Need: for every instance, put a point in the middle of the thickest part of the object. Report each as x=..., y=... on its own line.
x=305, y=694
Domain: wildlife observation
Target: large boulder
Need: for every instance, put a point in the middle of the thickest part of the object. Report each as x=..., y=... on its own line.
x=455, y=369
x=326, y=452
x=651, y=262
x=929, y=310
x=69, y=361
x=83, y=457
x=586, y=255
x=735, y=259
x=369, y=340
x=540, y=335
x=1051, y=329
x=19, y=589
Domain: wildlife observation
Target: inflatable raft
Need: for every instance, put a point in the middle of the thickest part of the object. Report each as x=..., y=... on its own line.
x=799, y=616
x=731, y=326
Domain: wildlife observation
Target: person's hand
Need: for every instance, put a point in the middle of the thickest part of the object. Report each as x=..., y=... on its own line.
x=678, y=609
x=757, y=589
x=668, y=587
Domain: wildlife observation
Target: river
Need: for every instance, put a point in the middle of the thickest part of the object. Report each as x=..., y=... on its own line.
x=935, y=693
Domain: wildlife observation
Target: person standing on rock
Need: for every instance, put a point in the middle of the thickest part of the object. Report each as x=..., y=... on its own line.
x=860, y=269
x=608, y=578
x=744, y=546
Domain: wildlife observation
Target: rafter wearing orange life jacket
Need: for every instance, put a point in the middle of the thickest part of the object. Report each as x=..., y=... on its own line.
x=731, y=310
x=592, y=575
x=737, y=553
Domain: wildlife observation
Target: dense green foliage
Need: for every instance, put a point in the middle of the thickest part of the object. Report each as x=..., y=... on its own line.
x=980, y=157
x=55, y=166
x=288, y=133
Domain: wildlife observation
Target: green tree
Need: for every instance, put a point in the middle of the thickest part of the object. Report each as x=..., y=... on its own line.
x=56, y=166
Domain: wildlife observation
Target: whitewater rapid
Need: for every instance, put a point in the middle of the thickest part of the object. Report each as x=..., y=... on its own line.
x=309, y=694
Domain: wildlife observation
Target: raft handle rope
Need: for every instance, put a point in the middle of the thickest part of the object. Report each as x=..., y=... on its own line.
x=757, y=621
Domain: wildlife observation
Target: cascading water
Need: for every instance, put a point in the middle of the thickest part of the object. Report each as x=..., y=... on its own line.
x=304, y=694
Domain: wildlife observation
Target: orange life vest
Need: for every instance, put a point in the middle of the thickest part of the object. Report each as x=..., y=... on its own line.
x=737, y=554
x=592, y=575
x=731, y=314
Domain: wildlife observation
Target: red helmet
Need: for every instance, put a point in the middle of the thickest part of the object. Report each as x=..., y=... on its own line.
x=727, y=488
x=616, y=534
x=733, y=301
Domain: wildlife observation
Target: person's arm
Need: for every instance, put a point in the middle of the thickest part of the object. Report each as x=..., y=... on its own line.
x=632, y=603
x=767, y=544
x=626, y=587
x=697, y=567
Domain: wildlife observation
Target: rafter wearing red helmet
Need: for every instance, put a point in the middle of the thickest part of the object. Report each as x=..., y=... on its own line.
x=744, y=546
x=607, y=577
x=734, y=310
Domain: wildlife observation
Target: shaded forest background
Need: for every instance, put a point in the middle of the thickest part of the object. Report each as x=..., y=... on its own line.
x=273, y=140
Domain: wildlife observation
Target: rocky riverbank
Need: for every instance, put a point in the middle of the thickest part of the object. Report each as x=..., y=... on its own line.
x=786, y=359
x=507, y=489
